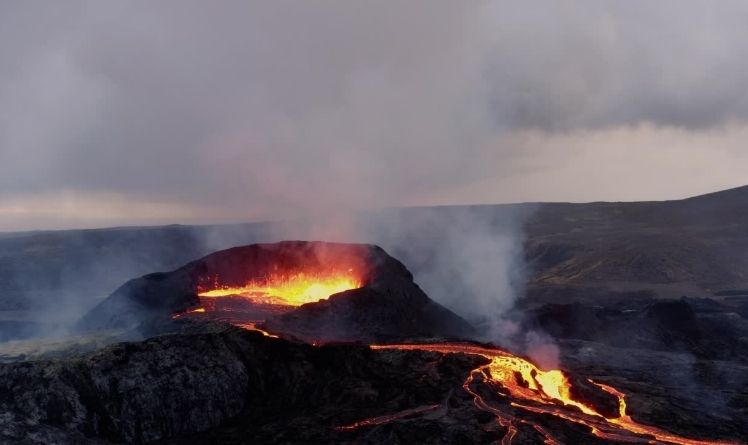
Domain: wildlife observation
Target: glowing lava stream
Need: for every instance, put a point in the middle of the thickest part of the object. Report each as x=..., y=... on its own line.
x=545, y=392
x=252, y=326
x=532, y=389
x=388, y=418
x=293, y=290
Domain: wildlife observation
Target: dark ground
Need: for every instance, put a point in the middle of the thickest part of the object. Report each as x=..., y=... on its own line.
x=605, y=282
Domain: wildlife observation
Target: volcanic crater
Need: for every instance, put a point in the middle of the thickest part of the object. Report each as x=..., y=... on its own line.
x=312, y=291
x=306, y=342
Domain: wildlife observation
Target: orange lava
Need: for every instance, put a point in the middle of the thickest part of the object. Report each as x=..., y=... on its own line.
x=542, y=392
x=253, y=327
x=388, y=418
x=625, y=421
x=289, y=290
x=276, y=293
x=199, y=310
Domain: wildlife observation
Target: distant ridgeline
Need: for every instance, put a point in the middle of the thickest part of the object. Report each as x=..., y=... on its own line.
x=694, y=247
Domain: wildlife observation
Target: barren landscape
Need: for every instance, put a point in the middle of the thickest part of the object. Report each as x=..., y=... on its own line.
x=643, y=302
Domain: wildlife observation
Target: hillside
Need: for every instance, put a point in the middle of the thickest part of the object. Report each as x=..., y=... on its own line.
x=692, y=246
x=695, y=246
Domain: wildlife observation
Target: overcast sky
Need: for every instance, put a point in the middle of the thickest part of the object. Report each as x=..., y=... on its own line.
x=146, y=112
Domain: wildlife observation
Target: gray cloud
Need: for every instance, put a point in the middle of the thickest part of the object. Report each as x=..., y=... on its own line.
x=589, y=64
x=271, y=109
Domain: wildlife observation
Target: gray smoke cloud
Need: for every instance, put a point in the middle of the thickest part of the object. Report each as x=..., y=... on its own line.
x=153, y=112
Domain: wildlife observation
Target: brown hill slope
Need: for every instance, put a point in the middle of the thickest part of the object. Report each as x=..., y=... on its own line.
x=695, y=245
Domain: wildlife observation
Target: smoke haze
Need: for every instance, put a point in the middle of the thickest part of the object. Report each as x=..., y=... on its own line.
x=162, y=112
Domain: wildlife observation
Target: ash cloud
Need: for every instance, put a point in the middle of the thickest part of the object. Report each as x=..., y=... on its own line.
x=276, y=109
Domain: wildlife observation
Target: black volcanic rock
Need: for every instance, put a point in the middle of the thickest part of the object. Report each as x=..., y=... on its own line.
x=675, y=323
x=386, y=310
x=699, y=398
x=216, y=384
x=687, y=325
x=389, y=305
x=179, y=384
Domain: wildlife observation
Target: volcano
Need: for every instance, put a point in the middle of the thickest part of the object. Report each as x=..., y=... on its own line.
x=312, y=342
x=314, y=291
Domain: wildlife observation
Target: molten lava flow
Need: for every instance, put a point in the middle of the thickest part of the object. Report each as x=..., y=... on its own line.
x=288, y=290
x=257, y=299
x=538, y=391
x=198, y=310
x=253, y=327
x=625, y=421
x=388, y=418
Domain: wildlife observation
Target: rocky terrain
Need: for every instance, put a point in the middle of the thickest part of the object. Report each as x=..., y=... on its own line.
x=690, y=247
x=183, y=383
x=696, y=397
x=651, y=298
x=702, y=328
x=214, y=383
x=681, y=364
